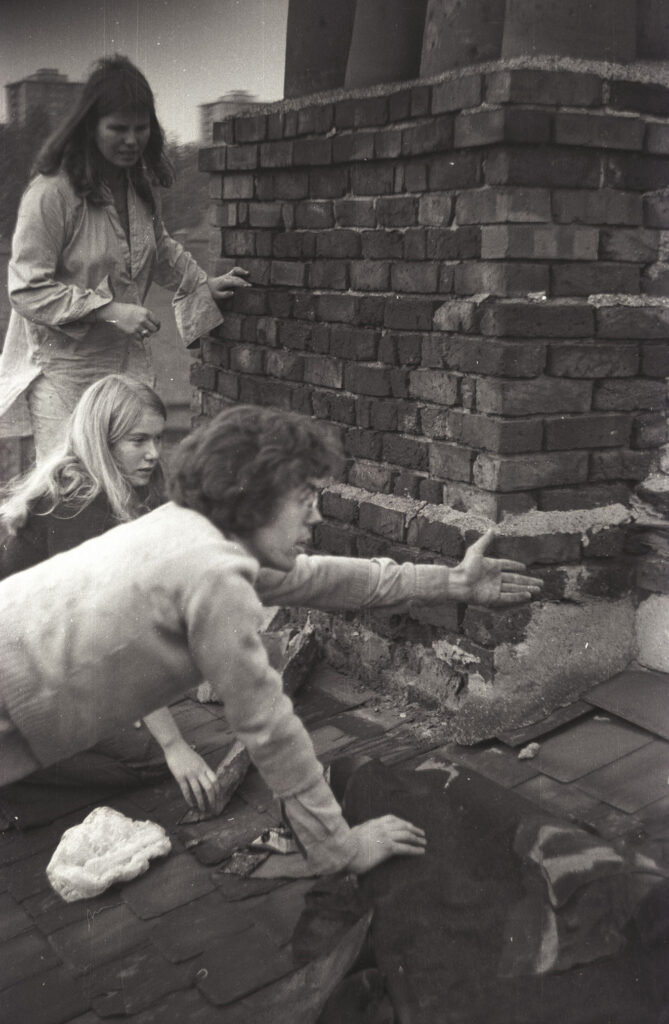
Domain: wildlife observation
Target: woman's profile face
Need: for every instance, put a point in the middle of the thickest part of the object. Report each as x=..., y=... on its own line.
x=121, y=137
x=136, y=454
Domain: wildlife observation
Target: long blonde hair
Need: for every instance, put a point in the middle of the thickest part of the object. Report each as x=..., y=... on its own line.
x=84, y=466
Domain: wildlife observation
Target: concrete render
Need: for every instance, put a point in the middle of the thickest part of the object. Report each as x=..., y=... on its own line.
x=652, y=629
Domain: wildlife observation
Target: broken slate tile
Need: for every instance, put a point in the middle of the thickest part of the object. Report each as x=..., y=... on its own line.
x=185, y=932
x=494, y=761
x=278, y=913
x=234, y=888
x=561, y=716
x=553, y=797
x=13, y=918
x=167, y=885
x=185, y=1007
x=102, y=937
x=56, y=999
x=586, y=745
x=50, y=912
x=24, y=956
x=223, y=978
x=639, y=697
x=634, y=781
x=27, y=877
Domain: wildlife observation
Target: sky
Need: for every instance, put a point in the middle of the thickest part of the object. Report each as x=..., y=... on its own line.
x=191, y=51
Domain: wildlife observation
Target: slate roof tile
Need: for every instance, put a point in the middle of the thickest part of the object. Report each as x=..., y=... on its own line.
x=585, y=745
x=633, y=781
x=50, y=912
x=188, y=931
x=169, y=883
x=137, y=981
x=13, y=918
x=23, y=956
x=230, y=971
x=53, y=998
x=100, y=938
x=493, y=760
x=637, y=696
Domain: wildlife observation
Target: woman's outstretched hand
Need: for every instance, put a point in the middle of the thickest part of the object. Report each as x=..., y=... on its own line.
x=381, y=838
x=491, y=581
x=224, y=286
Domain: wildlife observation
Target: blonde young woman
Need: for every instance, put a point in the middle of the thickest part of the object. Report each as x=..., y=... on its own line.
x=106, y=472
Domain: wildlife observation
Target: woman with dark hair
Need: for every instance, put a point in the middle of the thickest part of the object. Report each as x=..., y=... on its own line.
x=106, y=472
x=88, y=244
x=189, y=607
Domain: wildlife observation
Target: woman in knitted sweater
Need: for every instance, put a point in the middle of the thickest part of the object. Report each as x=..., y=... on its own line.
x=107, y=472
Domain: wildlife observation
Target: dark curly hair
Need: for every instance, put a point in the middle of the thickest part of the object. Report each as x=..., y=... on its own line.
x=236, y=468
x=115, y=85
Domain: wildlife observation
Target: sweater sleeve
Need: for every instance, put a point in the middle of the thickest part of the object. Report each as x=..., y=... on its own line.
x=327, y=583
x=223, y=617
x=195, y=311
x=39, y=239
x=27, y=547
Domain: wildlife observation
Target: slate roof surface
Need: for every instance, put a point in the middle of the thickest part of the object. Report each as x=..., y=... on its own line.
x=191, y=941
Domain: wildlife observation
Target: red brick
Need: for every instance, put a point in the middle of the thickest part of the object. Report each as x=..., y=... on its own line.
x=493, y=357
x=629, y=394
x=456, y=170
x=542, y=167
x=290, y=275
x=336, y=540
x=551, y=88
x=639, y=96
x=561, y=499
x=242, y=158
x=649, y=430
x=328, y=406
x=434, y=422
x=371, y=310
x=537, y=319
x=435, y=209
x=338, y=307
x=605, y=131
x=438, y=529
x=402, y=349
x=308, y=152
x=415, y=244
x=396, y=211
x=223, y=131
x=451, y=461
x=412, y=176
x=462, y=315
x=283, y=185
x=409, y=314
x=655, y=360
x=457, y=93
x=276, y=124
x=434, y=386
x=294, y=334
x=230, y=329
x=363, y=444
x=601, y=206
x=593, y=359
x=414, y=277
x=635, y=171
x=495, y=434
x=641, y=322
x=431, y=490
x=378, y=245
x=213, y=158
x=517, y=124
x=619, y=464
x=316, y=119
x=385, y=516
x=594, y=278
x=352, y=146
x=529, y=472
x=286, y=365
x=346, y=343
x=238, y=186
x=541, y=242
x=503, y=205
x=367, y=379
x=354, y=213
x=446, y=279
x=280, y=303
x=373, y=179
x=635, y=246
x=454, y=243
x=266, y=331
x=430, y=137
x=529, y=397
x=655, y=280
x=203, y=376
x=388, y=144
x=314, y=214
x=324, y=371
x=656, y=210
x=370, y=275
x=328, y=183
x=294, y=244
x=251, y=128
x=247, y=359
x=501, y=278
x=372, y=476
x=603, y=430
x=406, y=451
x=342, y=243
x=330, y=274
